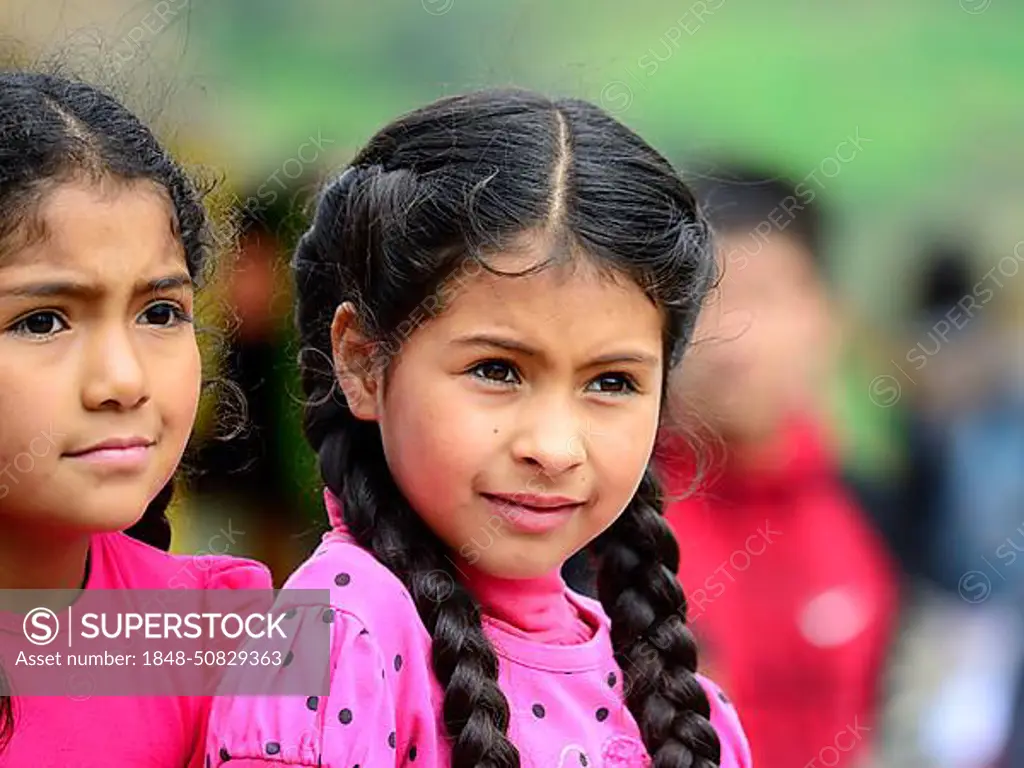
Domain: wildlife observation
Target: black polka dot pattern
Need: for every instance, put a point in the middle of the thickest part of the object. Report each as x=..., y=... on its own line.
x=342, y=579
x=311, y=703
x=723, y=698
x=612, y=679
x=391, y=740
x=583, y=760
x=273, y=748
x=345, y=716
x=291, y=613
x=328, y=616
x=412, y=754
x=224, y=754
x=602, y=714
x=398, y=663
x=288, y=659
x=538, y=711
x=207, y=761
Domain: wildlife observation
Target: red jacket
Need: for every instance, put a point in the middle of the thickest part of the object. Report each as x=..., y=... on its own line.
x=792, y=596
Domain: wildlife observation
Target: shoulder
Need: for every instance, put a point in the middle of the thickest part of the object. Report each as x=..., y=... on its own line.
x=360, y=587
x=378, y=637
x=726, y=722
x=724, y=718
x=379, y=693
x=119, y=561
x=357, y=709
x=591, y=608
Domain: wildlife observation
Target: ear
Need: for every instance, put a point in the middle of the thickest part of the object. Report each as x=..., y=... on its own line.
x=353, y=356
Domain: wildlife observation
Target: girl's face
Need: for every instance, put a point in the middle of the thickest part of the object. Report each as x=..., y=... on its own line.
x=99, y=367
x=520, y=420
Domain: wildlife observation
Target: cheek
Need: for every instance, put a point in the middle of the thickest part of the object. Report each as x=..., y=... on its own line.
x=620, y=456
x=178, y=386
x=432, y=436
x=30, y=406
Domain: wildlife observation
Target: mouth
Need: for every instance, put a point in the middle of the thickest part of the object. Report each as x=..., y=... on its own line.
x=115, y=452
x=534, y=502
x=533, y=514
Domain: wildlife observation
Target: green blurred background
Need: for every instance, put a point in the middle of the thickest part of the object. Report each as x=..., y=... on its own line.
x=934, y=85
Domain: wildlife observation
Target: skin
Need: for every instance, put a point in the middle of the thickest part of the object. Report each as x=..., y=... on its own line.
x=462, y=418
x=77, y=368
x=761, y=344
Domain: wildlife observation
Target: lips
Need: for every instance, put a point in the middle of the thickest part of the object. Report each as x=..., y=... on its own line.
x=535, y=502
x=533, y=514
x=113, y=445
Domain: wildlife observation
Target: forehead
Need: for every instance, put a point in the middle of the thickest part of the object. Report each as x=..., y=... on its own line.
x=751, y=260
x=106, y=228
x=556, y=304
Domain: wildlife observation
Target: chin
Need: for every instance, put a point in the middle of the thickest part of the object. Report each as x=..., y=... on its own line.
x=110, y=518
x=517, y=567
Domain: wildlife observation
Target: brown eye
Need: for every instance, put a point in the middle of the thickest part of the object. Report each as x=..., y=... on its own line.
x=615, y=384
x=40, y=324
x=164, y=315
x=495, y=371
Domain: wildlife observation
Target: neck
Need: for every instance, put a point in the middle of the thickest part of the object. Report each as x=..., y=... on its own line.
x=38, y=560
x=536, y=607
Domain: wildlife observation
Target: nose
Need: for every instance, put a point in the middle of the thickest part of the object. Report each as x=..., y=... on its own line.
x=114, y=374
x=551, y=437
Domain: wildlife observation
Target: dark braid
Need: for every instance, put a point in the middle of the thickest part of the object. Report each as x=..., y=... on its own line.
x=353, y=465
x=638, y=588
x=457, y=180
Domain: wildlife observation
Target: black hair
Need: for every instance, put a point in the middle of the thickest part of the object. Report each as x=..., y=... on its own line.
x=737, y=198
x=54, y=130
x=460, y=179
x=946, y=276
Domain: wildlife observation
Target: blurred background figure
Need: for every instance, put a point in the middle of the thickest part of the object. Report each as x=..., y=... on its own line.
x=965, y=498
x=248, y=477
x=792, y=592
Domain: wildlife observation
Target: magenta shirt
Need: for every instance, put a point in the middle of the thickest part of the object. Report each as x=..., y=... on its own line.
x=115, y=731
x=556, y=669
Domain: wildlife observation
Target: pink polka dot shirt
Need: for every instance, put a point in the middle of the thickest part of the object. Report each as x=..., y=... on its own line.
x=556, y=668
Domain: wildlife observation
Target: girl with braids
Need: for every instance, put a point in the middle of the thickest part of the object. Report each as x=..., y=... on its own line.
x=102, y=238
x=490, y=299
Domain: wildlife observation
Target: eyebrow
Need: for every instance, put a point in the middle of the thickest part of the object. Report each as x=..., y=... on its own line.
x=489, y=340
x=71, y=289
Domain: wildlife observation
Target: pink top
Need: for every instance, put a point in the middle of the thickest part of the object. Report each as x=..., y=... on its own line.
x=556, y=669
x=100, y=732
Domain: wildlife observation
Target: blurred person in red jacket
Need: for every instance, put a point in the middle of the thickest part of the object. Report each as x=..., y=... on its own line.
x=792, y=593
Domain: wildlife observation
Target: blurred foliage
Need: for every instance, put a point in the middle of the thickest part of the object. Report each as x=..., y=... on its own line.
x=938, y=92
x=935, y=86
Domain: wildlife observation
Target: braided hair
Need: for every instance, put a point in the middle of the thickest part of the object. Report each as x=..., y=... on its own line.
x=54, y=129
x=457, y=180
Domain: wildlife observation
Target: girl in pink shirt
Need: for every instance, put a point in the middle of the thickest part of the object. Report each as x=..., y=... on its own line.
x=490, y=300
x=102, y=239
